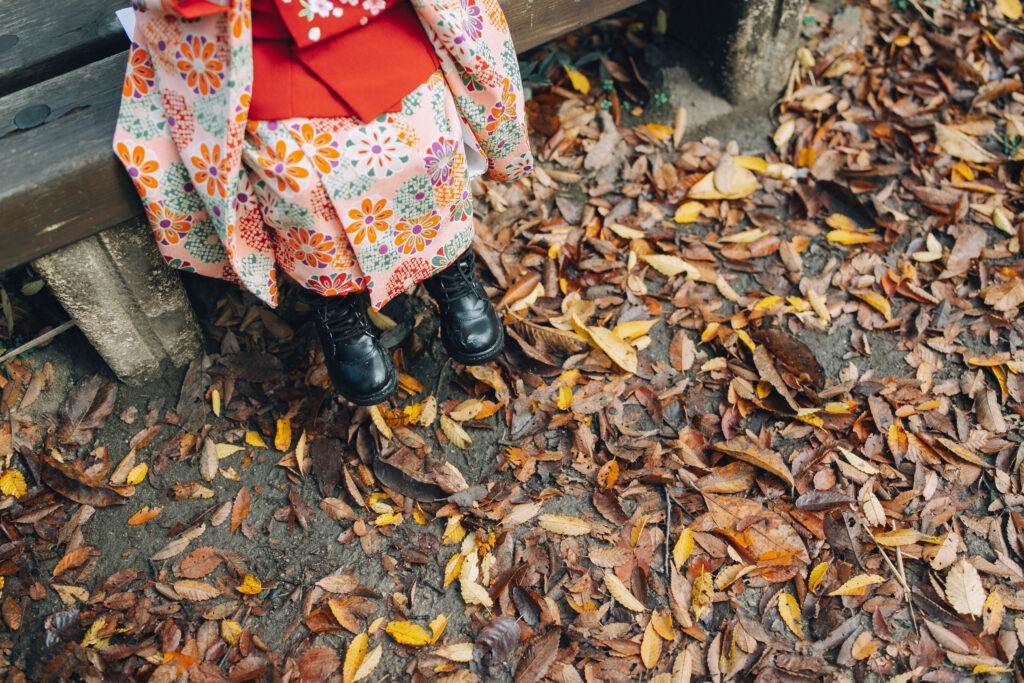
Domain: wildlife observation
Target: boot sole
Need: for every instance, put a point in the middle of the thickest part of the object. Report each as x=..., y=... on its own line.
x=484, y=356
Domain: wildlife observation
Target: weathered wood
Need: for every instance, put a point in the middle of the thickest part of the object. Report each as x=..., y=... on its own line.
x=60, y=181
x=535, y=22
x=65, y=183
x=41, y=40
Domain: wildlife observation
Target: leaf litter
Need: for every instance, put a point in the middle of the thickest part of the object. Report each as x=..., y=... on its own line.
x=662, y=478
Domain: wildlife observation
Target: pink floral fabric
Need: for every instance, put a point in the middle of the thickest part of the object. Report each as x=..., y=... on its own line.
x=338, y=204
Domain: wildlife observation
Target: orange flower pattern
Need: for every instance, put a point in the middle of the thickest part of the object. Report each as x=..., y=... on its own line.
x=141, y=170
x=198, y=65
x=212, y=170
x=340, y=205
x=283, y=166
x=370, y=218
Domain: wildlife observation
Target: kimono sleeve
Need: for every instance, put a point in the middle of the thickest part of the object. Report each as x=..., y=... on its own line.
x=480, y=65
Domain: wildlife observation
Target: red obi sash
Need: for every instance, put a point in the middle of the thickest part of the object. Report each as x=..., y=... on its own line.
x=326, y=58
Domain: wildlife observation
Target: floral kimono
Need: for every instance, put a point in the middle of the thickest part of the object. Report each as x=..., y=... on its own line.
x=339, y=204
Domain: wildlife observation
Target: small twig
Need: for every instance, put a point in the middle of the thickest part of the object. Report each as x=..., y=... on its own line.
x=41, y=339
x=668, y=528
x=440, y=375
x=897, y=573
x=924, y=15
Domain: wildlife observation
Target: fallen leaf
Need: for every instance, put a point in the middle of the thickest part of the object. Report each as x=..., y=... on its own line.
x=964, y=590
x=621, y=594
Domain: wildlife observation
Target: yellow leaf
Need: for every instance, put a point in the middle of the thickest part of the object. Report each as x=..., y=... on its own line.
x=215, y=401
x=635, y=328
x=993, y=611
x=626, y=232
x=379, y=423
x=564, y=397
x=634, y=536
x=990, y=669
x=91, y=636
x=876, y=301
x=849, y=237
x=683, y=547
x=300, y=453
x=354, y=656
x=816, y=575
x=454, y=532
x=379, y=320
x=137, y=474
x=1002, y=220
x=620, y=352
x=688, y=212
x=475, y=594
x=429, y=412
x=670, y=266
x=618, y=590
x=580, y=82
x=768, y=303
x=733, y=180
x=418, y=515
x=566, y=526
x=898, y=537
x=283, y=438
x=857, y=584
x=370, y=663
x=650, y=646
x=789, y=610
x=12, y=483
x=1011, y=9
x=254, y=439
x=455, y=433
x=223, y=450
x=452, y=568
x=784, y=132
x=755, y=164
x=964, y=590
x=250, y=585
x=388, y=519
x=437, y=625
x=230, y=631
x=702, y=593
x=408, y=633
x=746, y=236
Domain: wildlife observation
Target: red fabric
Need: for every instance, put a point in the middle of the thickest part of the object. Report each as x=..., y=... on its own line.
x=191, y=9
x=361, y=64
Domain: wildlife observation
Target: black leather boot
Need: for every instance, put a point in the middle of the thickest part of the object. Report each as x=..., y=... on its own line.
x=358, y=364
x=470, y=328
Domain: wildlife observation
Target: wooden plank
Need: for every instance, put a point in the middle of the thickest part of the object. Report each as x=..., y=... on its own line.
x=534, y=22
x=41, y=40
x=66, y=183
x=60, y=181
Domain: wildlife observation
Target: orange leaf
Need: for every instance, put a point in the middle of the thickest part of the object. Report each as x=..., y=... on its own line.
x=240, y=509
x=144, y=515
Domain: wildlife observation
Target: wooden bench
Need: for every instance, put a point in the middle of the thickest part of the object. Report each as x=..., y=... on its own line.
x=65, y=202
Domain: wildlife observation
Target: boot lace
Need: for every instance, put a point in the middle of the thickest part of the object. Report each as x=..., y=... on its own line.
x=342, y=319
x=457, y=280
